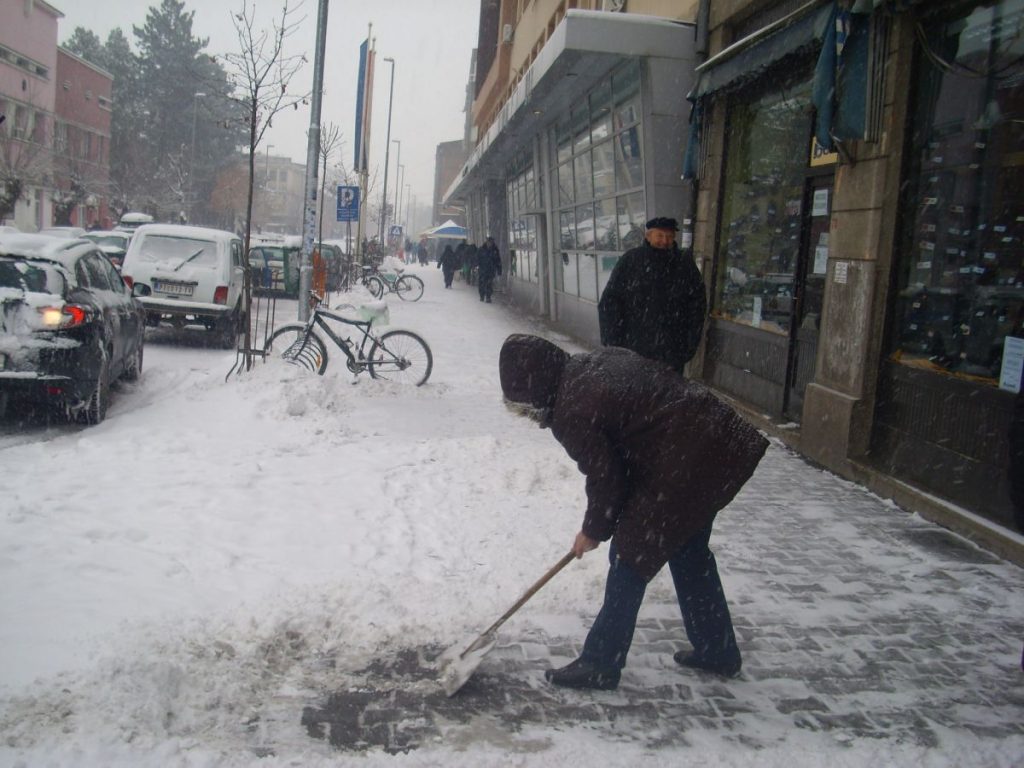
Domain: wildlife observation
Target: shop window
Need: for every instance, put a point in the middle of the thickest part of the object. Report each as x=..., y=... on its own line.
x=604, y=168
x=567, y=229
x=629, y=173
x=767, y=152
x=587, y=271
x=565, y=184
x=960, y=279
x=632, y=213
x=585, y=236
x=606, y=234
x=584, y=177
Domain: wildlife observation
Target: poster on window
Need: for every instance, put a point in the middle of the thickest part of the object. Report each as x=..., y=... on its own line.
x=1013, y=364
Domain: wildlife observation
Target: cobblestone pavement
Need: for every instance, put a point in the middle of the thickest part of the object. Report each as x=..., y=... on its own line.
x=855, y=618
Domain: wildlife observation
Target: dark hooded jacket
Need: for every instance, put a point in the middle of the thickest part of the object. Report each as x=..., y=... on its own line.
x=654, y=304
x=661, y=454
x=449, y=261
x=488, y=260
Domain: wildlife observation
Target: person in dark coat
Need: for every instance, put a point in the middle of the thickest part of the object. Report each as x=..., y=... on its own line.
x=448, y=263
x=661, y=456
x=488, y=262
x=654, y=302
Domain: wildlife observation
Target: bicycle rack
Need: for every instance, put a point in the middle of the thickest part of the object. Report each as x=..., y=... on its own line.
x=263, y=305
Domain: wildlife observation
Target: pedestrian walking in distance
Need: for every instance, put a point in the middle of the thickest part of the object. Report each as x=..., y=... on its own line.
x=488, y=262
x=448, y=263
x=661, y=456
x=654, y=302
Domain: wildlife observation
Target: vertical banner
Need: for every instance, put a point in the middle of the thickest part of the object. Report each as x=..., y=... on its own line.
x=364, y=107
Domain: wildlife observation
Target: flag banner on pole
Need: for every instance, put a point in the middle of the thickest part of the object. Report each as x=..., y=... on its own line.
x=364, y=107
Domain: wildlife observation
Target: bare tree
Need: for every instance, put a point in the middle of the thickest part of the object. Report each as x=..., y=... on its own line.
x=261, y=73
x=330, y=141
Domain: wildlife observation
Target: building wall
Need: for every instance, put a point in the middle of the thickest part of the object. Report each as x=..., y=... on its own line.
x=28, y=32
x=83, y=104
x=448, y=160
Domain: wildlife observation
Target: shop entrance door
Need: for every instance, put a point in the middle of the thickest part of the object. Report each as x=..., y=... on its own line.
x=809, y=293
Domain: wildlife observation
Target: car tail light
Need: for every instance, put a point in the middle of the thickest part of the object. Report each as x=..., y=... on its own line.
x=220, y=296
x=68, y=316
x=129, y=281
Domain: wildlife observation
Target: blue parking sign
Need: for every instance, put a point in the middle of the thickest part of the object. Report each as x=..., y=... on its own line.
x=348, y=203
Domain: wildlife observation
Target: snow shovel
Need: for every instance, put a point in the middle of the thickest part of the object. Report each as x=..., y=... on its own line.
x=457, y=671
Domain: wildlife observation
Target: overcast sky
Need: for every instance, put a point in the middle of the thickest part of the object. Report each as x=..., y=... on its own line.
x=430, y=41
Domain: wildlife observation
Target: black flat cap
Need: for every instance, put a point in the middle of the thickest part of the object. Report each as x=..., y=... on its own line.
x=663, y=222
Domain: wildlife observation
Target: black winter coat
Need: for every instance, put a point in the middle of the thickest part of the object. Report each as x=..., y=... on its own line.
x=654, y=304
x=661, y=454
x=488, y=261
x=449, y=261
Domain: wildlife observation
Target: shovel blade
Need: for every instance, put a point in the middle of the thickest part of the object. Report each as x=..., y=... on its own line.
x=456, y=672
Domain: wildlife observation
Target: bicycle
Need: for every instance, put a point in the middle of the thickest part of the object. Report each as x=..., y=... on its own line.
x=408, y=287
x=396, y=355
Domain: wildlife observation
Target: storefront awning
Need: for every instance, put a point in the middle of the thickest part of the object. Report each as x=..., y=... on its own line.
x=748, y=58
x=580, y=52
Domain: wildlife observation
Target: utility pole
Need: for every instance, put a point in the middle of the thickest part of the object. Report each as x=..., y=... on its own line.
x=312, y=164
x=189, y=204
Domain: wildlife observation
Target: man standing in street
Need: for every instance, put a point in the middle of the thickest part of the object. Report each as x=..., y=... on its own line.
x=654, y=302
x=661, y=456
x=488, y=262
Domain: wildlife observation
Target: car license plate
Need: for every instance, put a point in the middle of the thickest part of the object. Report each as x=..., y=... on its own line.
x=173, y=288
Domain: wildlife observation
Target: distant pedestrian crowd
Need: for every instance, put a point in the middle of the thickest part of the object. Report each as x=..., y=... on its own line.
x=476, y=265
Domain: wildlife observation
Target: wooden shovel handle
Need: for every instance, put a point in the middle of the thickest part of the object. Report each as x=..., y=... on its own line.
x=566, y=559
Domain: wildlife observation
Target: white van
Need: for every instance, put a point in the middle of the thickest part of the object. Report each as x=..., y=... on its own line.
x=188, y=276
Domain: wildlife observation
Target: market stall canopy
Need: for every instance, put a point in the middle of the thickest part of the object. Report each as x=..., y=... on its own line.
x=448, y=229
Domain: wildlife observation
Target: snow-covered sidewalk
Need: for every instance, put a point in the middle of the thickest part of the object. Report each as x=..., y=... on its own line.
x=226, y=573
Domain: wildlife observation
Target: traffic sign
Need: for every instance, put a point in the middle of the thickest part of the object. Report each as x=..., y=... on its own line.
x=348, y=203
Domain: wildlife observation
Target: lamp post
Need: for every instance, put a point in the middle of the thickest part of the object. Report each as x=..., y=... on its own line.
x=398, y=164
x=387, y=150
x=399, y=177
x=192, y=163
x=408, y=194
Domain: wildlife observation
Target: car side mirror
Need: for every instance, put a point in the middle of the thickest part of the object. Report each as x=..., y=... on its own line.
x=141, y=289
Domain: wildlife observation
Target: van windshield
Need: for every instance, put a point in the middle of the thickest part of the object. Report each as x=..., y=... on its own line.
x=176, y=250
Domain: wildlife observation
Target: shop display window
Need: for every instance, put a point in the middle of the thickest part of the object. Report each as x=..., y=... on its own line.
x=597, y=168
x=767, y=153
x=960, y=281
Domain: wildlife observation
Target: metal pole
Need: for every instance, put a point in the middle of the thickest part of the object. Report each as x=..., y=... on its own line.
x=398, y=193
x=398, y=165
x=312, y=164
x=192, y=163
x=387, y=151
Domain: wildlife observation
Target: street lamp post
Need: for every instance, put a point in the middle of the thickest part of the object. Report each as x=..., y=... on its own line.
x=408, y=193
x=399, y=177
x=387, y=150
x=192, y=163
x=398, y=164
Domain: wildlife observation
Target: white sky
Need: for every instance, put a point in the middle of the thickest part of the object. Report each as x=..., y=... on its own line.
x=431, y=43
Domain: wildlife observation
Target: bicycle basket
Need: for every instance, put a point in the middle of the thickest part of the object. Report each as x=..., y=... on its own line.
x=375, y=312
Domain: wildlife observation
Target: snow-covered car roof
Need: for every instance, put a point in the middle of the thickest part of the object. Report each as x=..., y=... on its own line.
x=33, y=246
x=184, y=230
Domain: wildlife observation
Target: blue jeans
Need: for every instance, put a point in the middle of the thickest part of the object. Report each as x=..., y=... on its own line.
x=701, y=601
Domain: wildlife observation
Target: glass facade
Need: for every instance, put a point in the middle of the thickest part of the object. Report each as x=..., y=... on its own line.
x=525, y=201
x=960, y=280
x=597, y=175
x=767, y=155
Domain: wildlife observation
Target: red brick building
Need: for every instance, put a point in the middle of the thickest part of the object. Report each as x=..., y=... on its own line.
x=81, y=160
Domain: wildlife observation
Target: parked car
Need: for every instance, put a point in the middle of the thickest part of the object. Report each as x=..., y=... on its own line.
x=69, y=325
x=7, y=229
x=188, y=276
x=113, y=243
x=133, y=220
x=274, y=261
x=65, y=232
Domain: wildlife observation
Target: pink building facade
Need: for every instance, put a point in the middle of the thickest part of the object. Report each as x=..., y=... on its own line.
x=82, y=137
x=28, y=74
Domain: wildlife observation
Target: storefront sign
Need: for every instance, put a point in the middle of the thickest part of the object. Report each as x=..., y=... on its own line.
x=820, y=259
x=821, y=156
x=1013, y=364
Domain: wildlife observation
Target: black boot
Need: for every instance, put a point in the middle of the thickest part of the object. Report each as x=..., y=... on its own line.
x=692, y=661
x=584, y=674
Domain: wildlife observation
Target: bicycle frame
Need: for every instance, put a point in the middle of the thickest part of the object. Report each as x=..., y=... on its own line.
x=355, y=363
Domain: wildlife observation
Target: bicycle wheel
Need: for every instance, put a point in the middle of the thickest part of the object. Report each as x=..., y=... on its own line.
x=400, y=356
x=292, y=342
x=409, y=287
x=375, y=286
